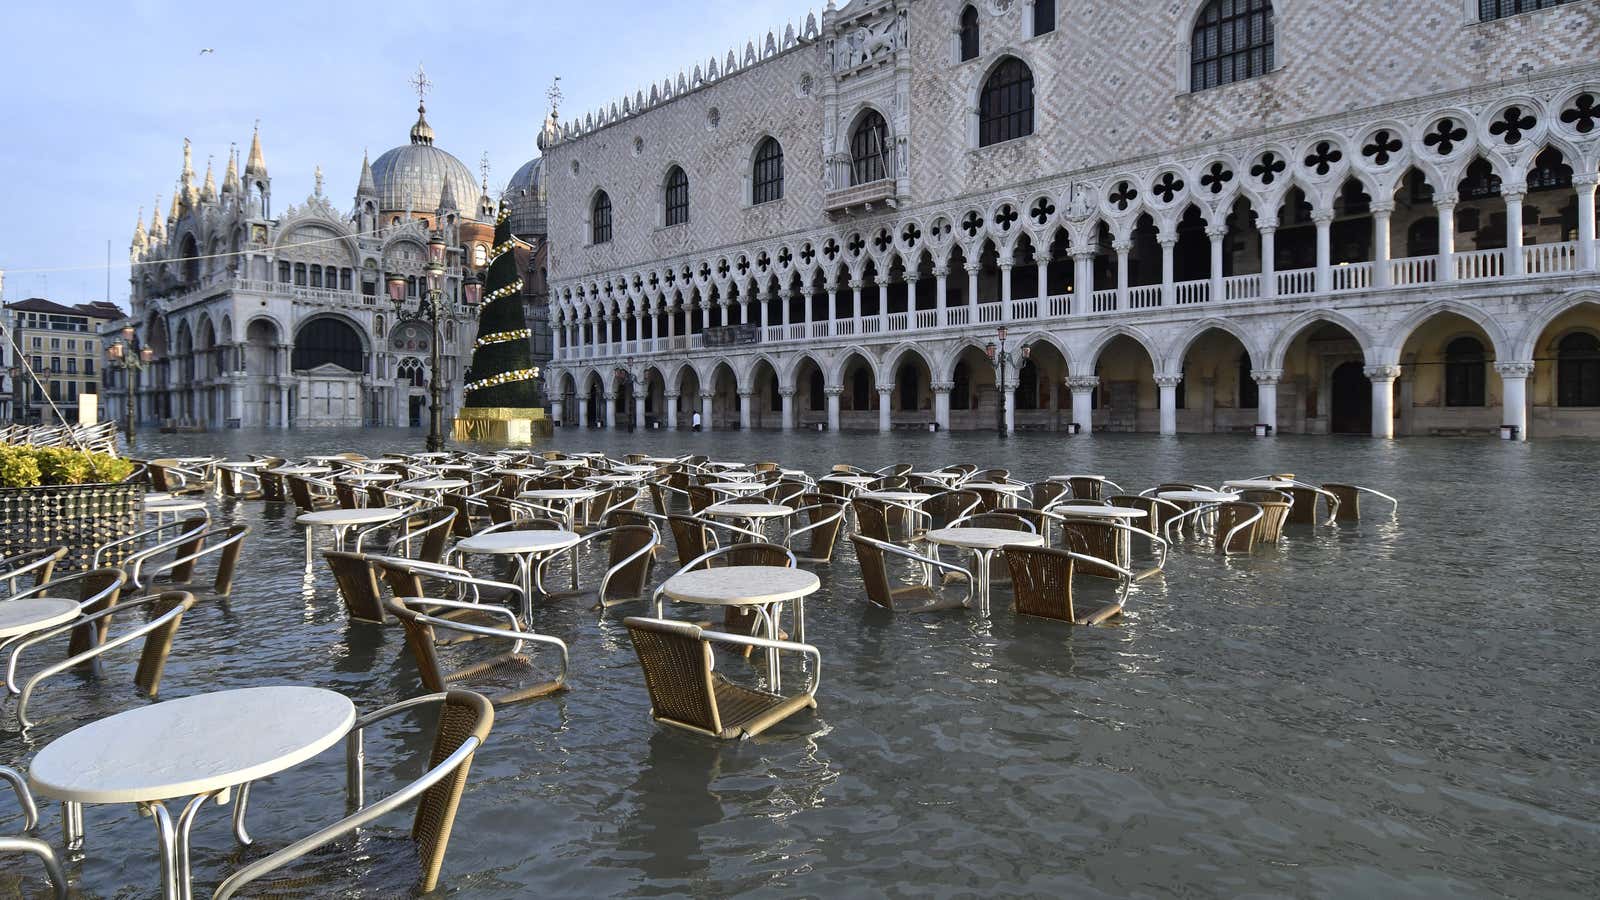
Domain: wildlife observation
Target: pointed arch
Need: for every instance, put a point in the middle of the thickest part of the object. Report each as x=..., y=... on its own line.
x=1091, y=356
x=836, y=373
x=1398, y=335
x=1292, y=329
x=1528, y=342
x=1173, y=363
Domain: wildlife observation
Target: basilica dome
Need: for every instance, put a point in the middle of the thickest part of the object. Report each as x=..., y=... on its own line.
x=415, y=175
x=526, y=196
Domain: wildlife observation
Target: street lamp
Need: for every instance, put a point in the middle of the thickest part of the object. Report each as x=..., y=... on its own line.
x=1000, y=359
x=127, y=357
x=434, y=312
x=625, y=376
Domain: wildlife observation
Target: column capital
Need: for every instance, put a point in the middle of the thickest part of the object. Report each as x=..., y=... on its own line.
x=1121, y=246
x=857, y=284
x=943, y=387
x=746, y=393
x=611, y=396
x=1514, y=194
x=1167, y=238
x=830, y=285
x=1081, y=253
x=886, y=389
x=1586, y=180
x=1382, y=207
x=1216, y=232
x=941, y=271
x=1168, y=380
x=672, y=395
x=705, y=396
x=1266, y=376
x=911, y=278
x=1514, y=369
x=833, y=391
x=1322, y=217
x=1080, y=384
x=786, y=392
x=972, y=268
x=1006, y=265
x=1381, y=373
x=1043, y=257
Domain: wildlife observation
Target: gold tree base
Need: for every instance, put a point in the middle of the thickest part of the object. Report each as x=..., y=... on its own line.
x=502, y=425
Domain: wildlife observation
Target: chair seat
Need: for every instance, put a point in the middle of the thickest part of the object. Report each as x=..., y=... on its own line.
x=388, y=869
x=747, y=711
x=505, y=675
x=471, y=617
x=920, y=598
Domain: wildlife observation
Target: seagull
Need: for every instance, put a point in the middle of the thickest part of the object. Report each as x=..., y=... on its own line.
x=206, y=50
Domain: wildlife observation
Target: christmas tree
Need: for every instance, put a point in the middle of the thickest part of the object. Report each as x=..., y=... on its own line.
x=502, y=373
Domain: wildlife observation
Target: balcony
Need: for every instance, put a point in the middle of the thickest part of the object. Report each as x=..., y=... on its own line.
x=842, y=196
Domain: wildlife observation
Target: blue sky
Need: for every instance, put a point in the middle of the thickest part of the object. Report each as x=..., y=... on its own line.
x=100, y=96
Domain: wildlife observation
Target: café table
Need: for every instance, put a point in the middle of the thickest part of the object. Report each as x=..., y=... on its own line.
x=30, y=614
x=765, y=588
x=172, y=505
x=569, y=498
x=201, y=747
x=983, y=542
x=753, y=515
x=1097, y=511
x=528, y=547
x=341, y=520
x=1006, y=490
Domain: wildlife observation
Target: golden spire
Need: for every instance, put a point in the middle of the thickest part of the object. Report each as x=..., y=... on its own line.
x=230, y=178
x=208, y=190
x=256, y=164
x=157, y=230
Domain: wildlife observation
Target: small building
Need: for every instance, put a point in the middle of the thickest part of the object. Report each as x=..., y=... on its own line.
x=55, y=357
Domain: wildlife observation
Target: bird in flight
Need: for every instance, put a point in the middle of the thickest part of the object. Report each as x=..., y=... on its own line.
x=206, y=50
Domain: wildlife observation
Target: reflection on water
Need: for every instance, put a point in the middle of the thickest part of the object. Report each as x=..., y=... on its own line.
x=1391, y=708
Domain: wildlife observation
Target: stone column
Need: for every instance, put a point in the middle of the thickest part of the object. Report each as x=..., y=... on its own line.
x=1005, y=291
x=583, y=411
x=833, y=406
x=638, y=337
x=1216, y=233
x=744, y=410
x=855, y=305
x=557, y=410
x=705, y=315
x=1324, y=222
x=883, y=301
x=787, y=394
x=1514, y=262
x=672, y=323
x=555, y=337
x=941, y=403
x=1381, y=276
x=911, y=300
x=785, y=304
x=1269, y=257
x=1041, y=261
x=670, y=399
x=1167, y=240
x=1267, y=397
x=1584, y=185
x=1082, y=388
x=1446, y=208
x=1382, y=378
x=941, y=290
x=705, y=411
x=1514, y=394
x=744, y=310
x=972, y=293
x=885, y=397
x=1083, y=281
x=1168, y=385
x=1011, y=408
x=765, y=301
x=1122, y=248
x=638, y=410
x=832, y=289
x=611, y=411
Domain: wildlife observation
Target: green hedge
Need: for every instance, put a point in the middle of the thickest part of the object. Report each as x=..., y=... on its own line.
x=23, y=467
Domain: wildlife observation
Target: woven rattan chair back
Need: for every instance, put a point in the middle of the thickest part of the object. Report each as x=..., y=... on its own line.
x=435, y=538
x=630, y=581
x=947, y=506
x=300, y=493
x=1041, y=579
x=376, y=498
x=501, y=511
x=825, y=536
x=463, y=715
x=1349, y=497
x=357, y=580
x=1086, y=488
x=1304, y=510
x=1047, y=492
x=677, y=673
x=420, y=641
x=346, y=494
x=92, y=634
x=1093, y=537
x=874, y=572
x=158, y=643
x=1229, y=516
x=872, y=518
x=461, y=525
x=1157, y=511
x=689, y=536
x=43, y=562
x=1274, y=513
x=700, y=498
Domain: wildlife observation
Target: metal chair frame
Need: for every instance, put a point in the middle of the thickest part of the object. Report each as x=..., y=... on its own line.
x=30, y=845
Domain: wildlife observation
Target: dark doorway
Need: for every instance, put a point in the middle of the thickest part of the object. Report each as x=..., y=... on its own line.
x=1350, y=409
x=418, y=404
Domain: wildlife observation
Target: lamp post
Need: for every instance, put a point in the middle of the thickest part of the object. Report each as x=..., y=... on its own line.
x=1001, y=358
x=128, y=358
x=624, y=375
x=433, y=311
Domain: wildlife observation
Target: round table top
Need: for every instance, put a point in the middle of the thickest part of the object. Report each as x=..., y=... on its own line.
x=1095, y=511
x=724, y=465
x=329, y=457
x=371, y=477
x=1004, y=487
x=349, y=516
x=520, y=473
x=636, y=470
x=300, y=470
x=661, y=460
x=590, y=454
x=565, y=463
x=741, y=585
x=243, y=464
x=560, y=494
x=737, y=510
x=172, y=504
x=984, y=538
x=734, y=487
x=177, y=748
x=615, y=479
x=436, y=484
x=195, y=460
x=34, y=614
x=1199, y=496
x=895, y=496
x=435, y=454
x=852, y=480
x=517, y=542
x=380, y=461
x=1259, y=484
x=939, y=476
x=1070, y=477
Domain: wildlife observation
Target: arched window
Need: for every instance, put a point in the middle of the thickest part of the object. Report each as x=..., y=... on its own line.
x=961, y=387
x=1249, y=391
x=766, y=178
x=300, y=274
x=328, y=340
x=1500, y=9
x=969, y=33
x=819, y=397
x=1464, y=372
x=906, y=383
x=1005, y=109
x=600, y=218
x=774, y=395
x=860, y=391
x=677, y=197
x=1044, y=17
x=316, y=276
x=283, y=272
x=869, y=149
x=1232, y=42
x=1578, y=370
x=377, y=326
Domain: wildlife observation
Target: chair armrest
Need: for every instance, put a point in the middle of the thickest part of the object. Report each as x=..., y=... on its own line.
x=747, y=640
x=19, y=785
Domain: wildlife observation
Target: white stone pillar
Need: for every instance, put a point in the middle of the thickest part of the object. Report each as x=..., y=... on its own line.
x=1011, y=408
x=1216, y=233
x=1083, y=281
x=784, y=314
x=611, y=411
x=638, y=410
x=705, y=315
x=883, y=301
x=941, y=404
x=885, y=396
x=911, y=300
x=744, y=410
x=1381, y=251
x=1267, y=397
x=833, y=406
x=1514, y=261
x=705, y=411
x=1446, y=208
x=557, y=410
x=1168, y=386
x=941, y=291
x=1514, y=395
x=1082, y=388
x=670, y=398
x=832, y=288
x=788, y=407
x=1269, y=258
x=583, y=411
x=1324, y=223
x=1382, y=378
x=765, y=303
x=1041, y=261
x=855, y=305
x=1167, y=240
x=1122, y=248
x=1584, y=185
x=972, y=293
x=1005, y=291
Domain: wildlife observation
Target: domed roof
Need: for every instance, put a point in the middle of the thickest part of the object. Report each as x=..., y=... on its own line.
x=526, y=195
x=414, y=175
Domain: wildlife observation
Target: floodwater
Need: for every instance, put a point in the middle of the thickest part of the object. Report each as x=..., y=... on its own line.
x=1401, y=707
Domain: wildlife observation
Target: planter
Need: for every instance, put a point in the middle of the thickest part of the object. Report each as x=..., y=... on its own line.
x=79, y=517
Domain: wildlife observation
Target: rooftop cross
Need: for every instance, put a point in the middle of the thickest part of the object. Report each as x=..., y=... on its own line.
x=420, y=83
x=554, y=94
